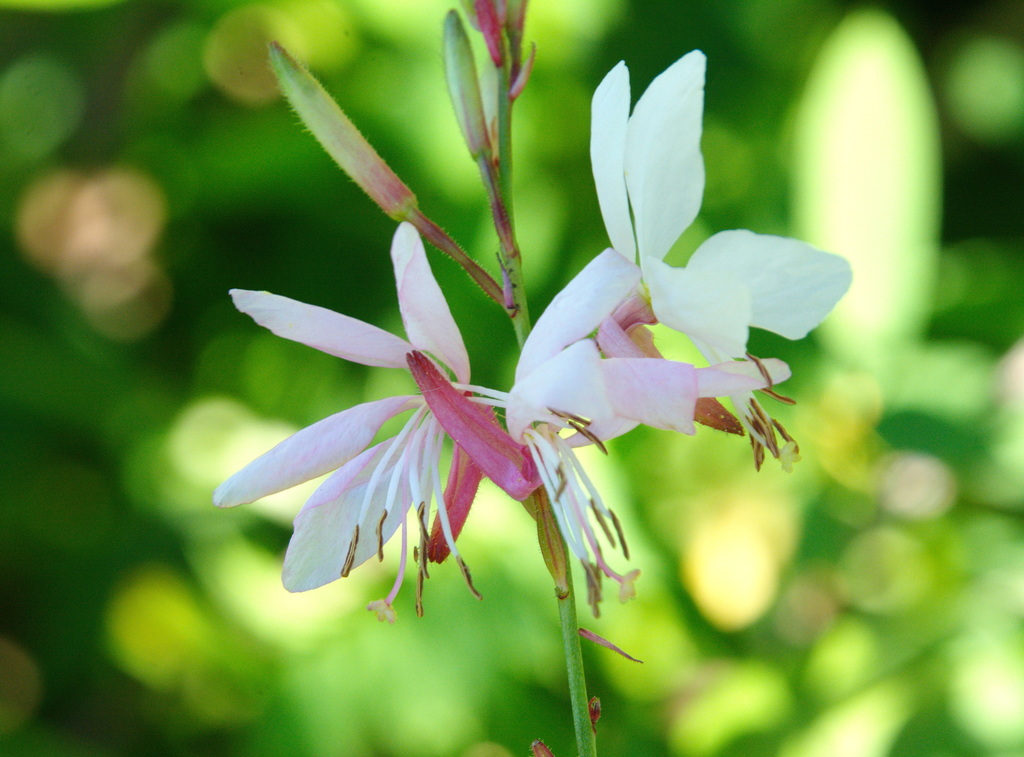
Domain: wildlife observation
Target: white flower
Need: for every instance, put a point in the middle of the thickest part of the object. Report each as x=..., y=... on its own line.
x=649, y=174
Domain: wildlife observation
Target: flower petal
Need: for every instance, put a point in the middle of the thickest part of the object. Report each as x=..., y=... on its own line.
x=311, y=452
x=579, y=308
x=570, y=382
x=664, y=166
x=657, y=392
x=323, y=329
x=738, y=376
x=464, y=478
x=476, y=430
x=609, y=118
x=324, y=528
x=425, y=313
x=712, y=307
x=793, y=286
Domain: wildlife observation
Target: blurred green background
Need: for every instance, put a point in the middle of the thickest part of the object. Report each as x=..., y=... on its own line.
x=868, y=604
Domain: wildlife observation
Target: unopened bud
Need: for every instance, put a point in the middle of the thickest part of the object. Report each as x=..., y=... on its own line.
x=539, y=749
x=491, y=29
x=464, y=86
x=594, y=708
x=515, y=17
x=339, y=136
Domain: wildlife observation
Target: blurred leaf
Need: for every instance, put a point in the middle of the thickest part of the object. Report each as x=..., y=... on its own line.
x=868, y=182
x=55, y=5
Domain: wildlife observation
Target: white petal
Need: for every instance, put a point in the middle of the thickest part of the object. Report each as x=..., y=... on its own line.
x=711, y=307
x=664, y=166
x=657, y=392
x=579, y=308
x=323, y=329
x=311, y=452
x=793, y=286
x=326, y=524
x=425, y=312
x=609, y=117
x=570, y=382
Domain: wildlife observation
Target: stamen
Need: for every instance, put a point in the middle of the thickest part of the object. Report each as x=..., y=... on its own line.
x=618, y=530
x=778, y=397
x=758, y=452
x=465, y=575
x=421, y=558
x=401, y=565
x=764, y=371
x=602, y=523
x=351, y=556
x=591, y=436
x=593, y=588
x=380, y=535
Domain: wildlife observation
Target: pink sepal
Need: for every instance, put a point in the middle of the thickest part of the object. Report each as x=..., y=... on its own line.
x=503, y=460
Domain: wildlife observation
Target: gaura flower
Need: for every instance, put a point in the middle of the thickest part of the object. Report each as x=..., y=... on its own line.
x=366, y=499
x=563, y=384
x=649, y=162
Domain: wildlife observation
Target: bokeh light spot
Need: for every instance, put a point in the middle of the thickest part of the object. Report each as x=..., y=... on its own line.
x=95, y=234
x=985, y=87
x=41, y=104
x=21, y=686
x=916, y=485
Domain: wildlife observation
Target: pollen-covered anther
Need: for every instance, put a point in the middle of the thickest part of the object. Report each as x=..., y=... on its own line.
x=468, y=578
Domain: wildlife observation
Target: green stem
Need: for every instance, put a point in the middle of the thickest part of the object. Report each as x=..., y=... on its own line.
x=586, y=742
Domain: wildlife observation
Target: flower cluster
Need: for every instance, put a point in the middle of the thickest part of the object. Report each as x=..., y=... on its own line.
x=588, y=371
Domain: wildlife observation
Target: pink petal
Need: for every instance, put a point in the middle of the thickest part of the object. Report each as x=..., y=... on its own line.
x=738, y=376
x=463, y=481
x=579, y=308
x=609, y=118
x=657, y=392
x=503, y=460
x=428, y=320
x=323, y=329
x=326, y=524
x=311, y=452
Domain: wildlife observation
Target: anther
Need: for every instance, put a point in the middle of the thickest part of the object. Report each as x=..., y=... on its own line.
x=602, y=523
x=469, y=580
x=618, y=530
x=351, y=556
x=380, y=536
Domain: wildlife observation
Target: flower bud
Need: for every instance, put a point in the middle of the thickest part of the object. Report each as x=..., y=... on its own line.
x=491, y=28
x=464, y=86
x=339, y=136
x=539, y=749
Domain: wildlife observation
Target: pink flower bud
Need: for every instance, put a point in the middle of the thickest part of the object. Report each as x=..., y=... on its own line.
x=491, y=28
x=339, y=136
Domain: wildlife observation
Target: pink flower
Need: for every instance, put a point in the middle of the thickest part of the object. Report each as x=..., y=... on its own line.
x=366, y=499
